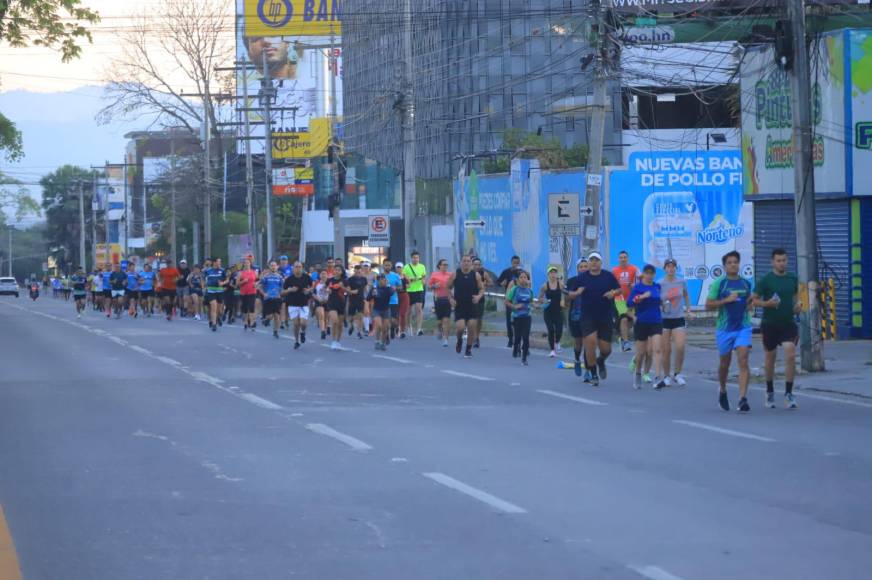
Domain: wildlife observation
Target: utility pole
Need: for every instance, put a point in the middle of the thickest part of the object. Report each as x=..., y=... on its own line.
x=593, y=187
x=249, y=168
x=207, y=204
x=94, y=204
x=338, y=237
x=10, y=251
x=267, y=93
x=82, y=262
x=173, y=240
x=811, y=339
x=410, y=205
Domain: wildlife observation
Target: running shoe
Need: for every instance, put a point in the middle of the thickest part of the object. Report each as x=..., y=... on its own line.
x=659, y=383
x=302, y=337
x=586, y=376
x=637, y=381
x=359, y=336
x=743, y=407
x=196, y=316
x=790, y=401
x=275, y=333
x=420, y=333
x=445, y=343
x=667, y=381
x=477, y=344
x=601, y=367
x=770, y=400
x=559, y=349
x=625, y=346
x=509, y=345
x=323, y=335
x=646, y=377
x=552, y=354
x=350, y=330
x=515, y=353
x=468, y=353
x=577, y=368
x=296, y=345
x=679, y=380
x=723, y=401
x=214, y=327
x=594, y=379
x=402, y=335
x=334, y=345
x=524, y=361
x=459, y=346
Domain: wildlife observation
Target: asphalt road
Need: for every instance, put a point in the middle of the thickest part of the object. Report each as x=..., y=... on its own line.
x=144, y=449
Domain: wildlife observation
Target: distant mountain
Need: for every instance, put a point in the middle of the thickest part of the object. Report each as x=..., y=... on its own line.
x=59, y=128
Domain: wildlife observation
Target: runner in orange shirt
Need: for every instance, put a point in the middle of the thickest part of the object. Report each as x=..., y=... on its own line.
x=627, y=274
x=168, y=276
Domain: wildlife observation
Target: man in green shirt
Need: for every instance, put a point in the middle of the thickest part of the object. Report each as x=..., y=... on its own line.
x=415, y=272
x=777, y=295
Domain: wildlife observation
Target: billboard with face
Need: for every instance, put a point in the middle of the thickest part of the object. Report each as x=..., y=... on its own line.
x=291, y=40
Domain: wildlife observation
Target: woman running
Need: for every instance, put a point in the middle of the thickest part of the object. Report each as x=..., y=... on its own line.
x=195, y=281
x=442, y=298
x=645, y=299
x=519, y=301
x=321, y=295
x=551, y=294
x=676, y=308
x=381, y=311
x=337, y=290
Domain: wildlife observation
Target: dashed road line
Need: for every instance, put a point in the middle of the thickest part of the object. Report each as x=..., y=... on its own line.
x=723, y=431
x=572, y=398
x=475, y=493
x=393, y=358
x=654, y=573
x=259, y=401
x=353, y=442
x=467, y=375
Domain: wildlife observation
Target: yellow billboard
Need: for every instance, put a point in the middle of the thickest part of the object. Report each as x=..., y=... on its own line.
x=293, y=18
x=302, y=145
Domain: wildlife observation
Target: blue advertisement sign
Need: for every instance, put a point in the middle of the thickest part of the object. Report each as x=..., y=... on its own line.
x=687, y=205
x=511, y=211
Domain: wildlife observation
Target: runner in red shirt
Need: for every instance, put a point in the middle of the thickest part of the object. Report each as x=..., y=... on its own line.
x=168, y=277
x=627, y=274
x=247, y=282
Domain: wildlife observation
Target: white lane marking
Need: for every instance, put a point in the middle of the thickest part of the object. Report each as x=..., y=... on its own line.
x=393, y=358
x=260, y=401
x=722, y=431
x=475, y=493
x=342, y=348
x=654, y=573
x=399, y=460
x=468, y=376
x=169, y=361
x=352, y=442
x=573, y=398
x=140, y=350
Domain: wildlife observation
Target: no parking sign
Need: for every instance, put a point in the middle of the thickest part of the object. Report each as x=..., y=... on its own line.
x=379, y=231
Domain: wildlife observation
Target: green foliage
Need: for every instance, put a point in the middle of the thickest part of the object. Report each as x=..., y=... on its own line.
x=10, y=139
x=60, y=202
x=28, y=250
x=550, y=152
x=15, y=199
x=51, y=23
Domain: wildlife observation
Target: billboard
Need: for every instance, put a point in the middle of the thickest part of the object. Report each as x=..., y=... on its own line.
x=302, y=145
x=498, y=216
x=684, y=204
x=294, y=181
x=858, y=59
x=294, y=38
x=767, y=121
x=115, y=188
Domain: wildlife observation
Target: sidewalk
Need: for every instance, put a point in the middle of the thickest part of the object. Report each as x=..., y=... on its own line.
x=848, y=363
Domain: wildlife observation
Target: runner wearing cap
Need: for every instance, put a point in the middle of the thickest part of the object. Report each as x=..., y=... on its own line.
x=627, y=275
x=506, y=279
x=598, y=289
x=416, y=273
x=573, y=291
x=676, y=301
x=551, y=294
x=645, y=301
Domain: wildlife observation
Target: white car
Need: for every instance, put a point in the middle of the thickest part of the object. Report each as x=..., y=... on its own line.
x=9, y=286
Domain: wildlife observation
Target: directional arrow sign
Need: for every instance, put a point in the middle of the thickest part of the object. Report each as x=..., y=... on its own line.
x=586, y=210
x=474, y=224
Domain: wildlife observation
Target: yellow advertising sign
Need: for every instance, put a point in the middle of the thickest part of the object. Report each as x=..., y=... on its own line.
x=293, y=18
x=302, y=145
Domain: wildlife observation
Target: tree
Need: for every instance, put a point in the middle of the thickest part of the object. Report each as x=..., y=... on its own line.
x=190, y=42
x=15, y=199
x=10, y=139
x=550, y=152
x=60, y=201
x=52, y=23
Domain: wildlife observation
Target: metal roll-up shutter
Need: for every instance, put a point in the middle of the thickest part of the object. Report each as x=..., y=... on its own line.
x=775, y=227
x=866, y=264
x=833, y=219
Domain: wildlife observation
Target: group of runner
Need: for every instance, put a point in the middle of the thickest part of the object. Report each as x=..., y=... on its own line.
x=387, y=300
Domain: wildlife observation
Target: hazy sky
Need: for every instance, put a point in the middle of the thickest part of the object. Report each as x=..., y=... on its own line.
x=41, y=69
